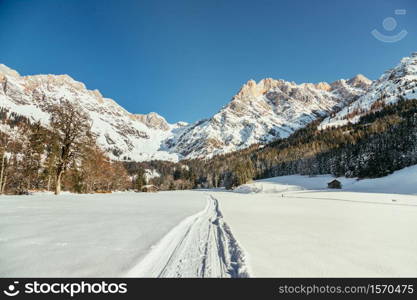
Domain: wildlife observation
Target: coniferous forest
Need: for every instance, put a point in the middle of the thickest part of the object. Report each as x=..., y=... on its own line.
x=383, y=141
x=65, y=155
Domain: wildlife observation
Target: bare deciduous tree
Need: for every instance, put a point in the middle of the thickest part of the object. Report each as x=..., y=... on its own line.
x=71, y=128
x=3, y=148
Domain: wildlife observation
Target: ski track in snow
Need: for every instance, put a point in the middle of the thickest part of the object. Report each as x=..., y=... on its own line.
x=202, y=245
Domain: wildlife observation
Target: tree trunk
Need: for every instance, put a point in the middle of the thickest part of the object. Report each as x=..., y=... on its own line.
x=58, y=183
x=48, y=187
x=2, y=172
x=3, y=187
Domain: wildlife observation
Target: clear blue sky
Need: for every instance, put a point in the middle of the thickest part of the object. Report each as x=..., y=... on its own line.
x=185, y=59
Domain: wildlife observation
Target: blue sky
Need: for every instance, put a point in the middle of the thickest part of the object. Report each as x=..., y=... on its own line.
x=185, y=59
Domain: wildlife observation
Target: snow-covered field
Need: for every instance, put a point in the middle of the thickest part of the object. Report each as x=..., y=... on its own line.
x=295, y=226
x=290, y=226
x=324, y=234
x=86, y=235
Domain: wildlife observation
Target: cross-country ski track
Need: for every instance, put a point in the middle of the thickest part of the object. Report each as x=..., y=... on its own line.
x=202, y=245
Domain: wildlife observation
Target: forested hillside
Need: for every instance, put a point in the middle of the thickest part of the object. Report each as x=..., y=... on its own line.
x=65, y=155
x=382, y=141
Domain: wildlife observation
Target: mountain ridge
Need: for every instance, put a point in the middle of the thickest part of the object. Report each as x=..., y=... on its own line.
x=260, y=112
x=396, y=83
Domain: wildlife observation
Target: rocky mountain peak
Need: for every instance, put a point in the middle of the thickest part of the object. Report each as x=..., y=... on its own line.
x=5, y=70
x=397, y=83
x=262, y=112
x=153, y=120
x=324, y=86
x=250, y=88
x=407, y=66
x=359, y=81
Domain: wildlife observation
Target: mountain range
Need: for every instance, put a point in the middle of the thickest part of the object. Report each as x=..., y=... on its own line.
x=259, y=113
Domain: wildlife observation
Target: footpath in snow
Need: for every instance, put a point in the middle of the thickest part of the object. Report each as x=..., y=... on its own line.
x=165, y=234
x=200, y=246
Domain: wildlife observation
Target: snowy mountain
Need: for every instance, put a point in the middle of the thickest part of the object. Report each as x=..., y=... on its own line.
x=258, y=113
x=120, y=133
x=395, y=84
x=264, y=111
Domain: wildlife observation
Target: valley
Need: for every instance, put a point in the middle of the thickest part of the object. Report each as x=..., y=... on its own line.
x=290, y=226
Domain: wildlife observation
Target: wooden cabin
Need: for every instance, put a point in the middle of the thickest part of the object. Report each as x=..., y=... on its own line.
x=334, y=184
x=149, y=188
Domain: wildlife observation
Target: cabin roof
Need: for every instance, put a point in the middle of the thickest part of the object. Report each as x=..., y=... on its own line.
x=334, y=181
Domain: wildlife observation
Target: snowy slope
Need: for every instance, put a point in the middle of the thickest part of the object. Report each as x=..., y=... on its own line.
x=403, y=181
x=399, y=82
x=259, y=113
x=120, y=133
x=264, y=111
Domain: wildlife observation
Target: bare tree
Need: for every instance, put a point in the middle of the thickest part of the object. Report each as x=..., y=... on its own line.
x=71, y=128
x=3, y=150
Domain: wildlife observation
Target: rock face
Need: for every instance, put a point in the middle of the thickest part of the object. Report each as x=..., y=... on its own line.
x=264, y=111
x=153, y=120
x=395, y=84
x=258, y=113
x=360, y=81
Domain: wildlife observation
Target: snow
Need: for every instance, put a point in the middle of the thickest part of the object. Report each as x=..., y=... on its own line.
x=403, y=181
x=251, y=117
x=150, y=174
x=399, y=81
x=101, y=235
x=200, y=246
x=293, y=226
x=310, y=234
x=165, y=234
x=29, y=111
x=118, y=131
x=289, y=226
x=260, y=113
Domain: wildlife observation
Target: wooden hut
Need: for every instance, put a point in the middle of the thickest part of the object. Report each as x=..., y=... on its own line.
x=334, y=184
x=149, y=188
